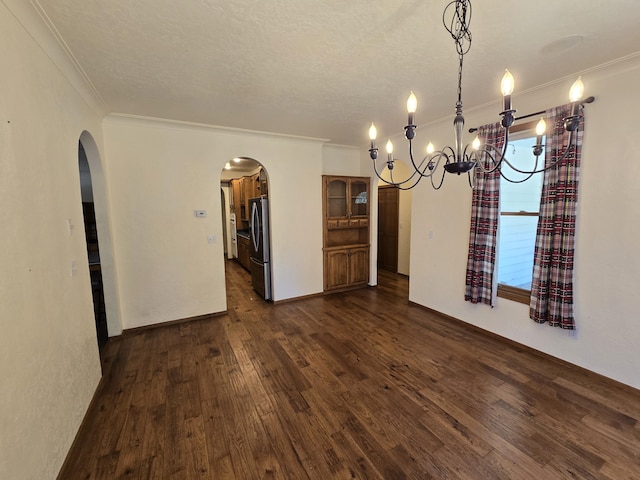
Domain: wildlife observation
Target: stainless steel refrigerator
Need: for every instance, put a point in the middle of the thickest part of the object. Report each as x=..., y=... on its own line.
x=260, y=251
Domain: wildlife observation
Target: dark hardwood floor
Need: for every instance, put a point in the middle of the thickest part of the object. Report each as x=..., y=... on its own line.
x=350, y=385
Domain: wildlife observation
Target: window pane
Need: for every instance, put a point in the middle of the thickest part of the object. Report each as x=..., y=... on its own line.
x=519, y=197
x=515, y=256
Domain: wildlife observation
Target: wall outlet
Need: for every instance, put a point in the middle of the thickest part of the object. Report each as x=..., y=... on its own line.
x=211, y=239
x=573, y=334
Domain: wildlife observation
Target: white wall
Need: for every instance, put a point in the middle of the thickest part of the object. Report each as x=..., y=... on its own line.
x=341, y=160
x=160, y=172
x=606, y=264
x=49, y=362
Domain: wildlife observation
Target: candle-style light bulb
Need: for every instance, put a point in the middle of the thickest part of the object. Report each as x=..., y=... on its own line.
x=389, y=151
x=577, y=90
x=541, y=127
x=227, y=166
x=476, y=143
x=506, y=86
x=412, y=105
x=575, y=95
x=430, y=148
x=373, y=133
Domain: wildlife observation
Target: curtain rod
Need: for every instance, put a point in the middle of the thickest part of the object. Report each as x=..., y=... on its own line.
x=586, y=100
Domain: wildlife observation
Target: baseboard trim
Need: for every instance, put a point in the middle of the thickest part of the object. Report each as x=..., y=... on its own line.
x=295, y=299
x=208, y=316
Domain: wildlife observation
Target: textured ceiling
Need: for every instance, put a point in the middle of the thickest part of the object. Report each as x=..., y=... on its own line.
x=326, y=68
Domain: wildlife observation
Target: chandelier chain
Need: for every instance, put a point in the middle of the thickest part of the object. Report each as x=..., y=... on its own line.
x=458, y=28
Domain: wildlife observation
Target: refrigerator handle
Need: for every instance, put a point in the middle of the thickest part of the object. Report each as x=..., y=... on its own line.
x=254, y=226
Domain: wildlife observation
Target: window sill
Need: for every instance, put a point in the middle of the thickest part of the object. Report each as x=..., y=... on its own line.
x=515, y=294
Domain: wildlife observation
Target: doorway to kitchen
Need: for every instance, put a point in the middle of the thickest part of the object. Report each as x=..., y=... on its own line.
x=246, y=222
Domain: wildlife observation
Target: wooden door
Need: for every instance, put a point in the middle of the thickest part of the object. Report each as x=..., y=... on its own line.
x=388, y=219
x=358, y=265
x=336, y=269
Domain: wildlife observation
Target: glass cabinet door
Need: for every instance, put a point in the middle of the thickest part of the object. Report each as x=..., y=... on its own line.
x=359, y=201
x=337, y=198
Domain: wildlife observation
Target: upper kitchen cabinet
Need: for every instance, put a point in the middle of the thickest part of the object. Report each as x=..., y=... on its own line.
x=245, y=188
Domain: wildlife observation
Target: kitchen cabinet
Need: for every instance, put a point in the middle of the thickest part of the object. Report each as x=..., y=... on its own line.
x=236, y=198
x=264, y=183
x=243, y=251
x=245, y=184
x=345, y=231
x=254, y=182
x=244, y=189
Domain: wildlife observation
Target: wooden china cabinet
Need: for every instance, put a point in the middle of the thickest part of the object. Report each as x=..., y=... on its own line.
x=345, y=232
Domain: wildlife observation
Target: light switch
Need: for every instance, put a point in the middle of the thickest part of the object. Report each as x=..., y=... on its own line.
x=200, y=213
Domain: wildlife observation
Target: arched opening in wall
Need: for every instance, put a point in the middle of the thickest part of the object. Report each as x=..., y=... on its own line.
x=93, y=247
x=394, y=222
x=245, y=186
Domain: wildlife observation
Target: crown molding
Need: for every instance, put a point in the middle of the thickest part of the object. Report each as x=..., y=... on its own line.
x=37, y=24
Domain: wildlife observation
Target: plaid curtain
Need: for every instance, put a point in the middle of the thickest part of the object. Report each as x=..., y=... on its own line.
x=552, y=285
x=485, y=211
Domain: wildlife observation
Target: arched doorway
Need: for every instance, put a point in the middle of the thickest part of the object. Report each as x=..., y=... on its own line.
x=100, y=253
x=245, y=214
x=93, y=247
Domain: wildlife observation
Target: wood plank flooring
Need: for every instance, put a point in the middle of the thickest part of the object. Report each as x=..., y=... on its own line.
x=351, y=385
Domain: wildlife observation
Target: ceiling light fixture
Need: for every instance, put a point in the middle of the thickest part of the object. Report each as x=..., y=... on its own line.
x=460, y=160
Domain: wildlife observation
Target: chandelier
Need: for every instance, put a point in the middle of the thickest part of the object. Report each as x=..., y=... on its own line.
x=461, y=160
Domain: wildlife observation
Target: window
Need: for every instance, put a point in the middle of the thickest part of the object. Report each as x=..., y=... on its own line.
x=519, y=209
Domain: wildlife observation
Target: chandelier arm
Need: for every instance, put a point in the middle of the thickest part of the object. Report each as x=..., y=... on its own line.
x=447, y=156
x=570, y=145
x=400, y=184
x=418, y=168
x=441, y=180
x=409, y=187
x=529, y=173
x=375, y=169
x=518, y=181
x=392, y=182
x=496, y=163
